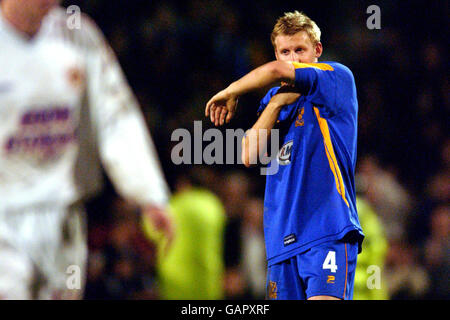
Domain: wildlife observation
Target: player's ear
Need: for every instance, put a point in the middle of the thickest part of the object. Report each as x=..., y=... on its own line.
x=318, y=49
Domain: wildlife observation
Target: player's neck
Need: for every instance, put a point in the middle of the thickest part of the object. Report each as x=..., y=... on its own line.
x=19, y=20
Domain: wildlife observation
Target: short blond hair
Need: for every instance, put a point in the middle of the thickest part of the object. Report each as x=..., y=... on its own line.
x=293, y=22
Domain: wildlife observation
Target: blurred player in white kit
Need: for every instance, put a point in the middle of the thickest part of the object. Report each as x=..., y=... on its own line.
x=64, y=107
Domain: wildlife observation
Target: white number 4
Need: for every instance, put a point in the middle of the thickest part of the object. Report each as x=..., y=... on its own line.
x=330, y=262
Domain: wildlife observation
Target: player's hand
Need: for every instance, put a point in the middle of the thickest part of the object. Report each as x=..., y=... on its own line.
x=162, y=222
x=285, y=95
x=222, y=107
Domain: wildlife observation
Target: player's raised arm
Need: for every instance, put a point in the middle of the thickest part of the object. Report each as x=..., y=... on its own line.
x=222, y=106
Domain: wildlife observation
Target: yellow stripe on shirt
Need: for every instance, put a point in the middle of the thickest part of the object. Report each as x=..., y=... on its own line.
x=329, y=150
x=321, y=66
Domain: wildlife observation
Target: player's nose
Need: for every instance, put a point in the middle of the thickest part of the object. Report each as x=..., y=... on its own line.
x=295, y=57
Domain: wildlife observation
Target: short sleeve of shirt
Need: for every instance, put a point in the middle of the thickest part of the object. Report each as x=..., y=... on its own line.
x=317, y=81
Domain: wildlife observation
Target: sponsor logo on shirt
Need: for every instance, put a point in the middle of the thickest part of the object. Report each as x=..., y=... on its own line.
x=284, y=155
x=42, y=133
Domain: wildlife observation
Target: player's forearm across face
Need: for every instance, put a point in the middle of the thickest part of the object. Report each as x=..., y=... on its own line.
x=263, y=76
x=222, y=106
x=254, y=143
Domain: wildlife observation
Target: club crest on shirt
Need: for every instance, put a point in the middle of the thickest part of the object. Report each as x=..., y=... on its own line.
x=284, y=155
x=300, y=122
x=75, y=77
x=272, y=290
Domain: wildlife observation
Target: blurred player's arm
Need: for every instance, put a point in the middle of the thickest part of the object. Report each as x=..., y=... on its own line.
x=126, y=148
x=222, y=106
x=254, y=142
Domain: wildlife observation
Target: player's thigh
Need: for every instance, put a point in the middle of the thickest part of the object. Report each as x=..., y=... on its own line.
x=16, y=274
x=329, y=269
x=283, y=281
x=68, y=279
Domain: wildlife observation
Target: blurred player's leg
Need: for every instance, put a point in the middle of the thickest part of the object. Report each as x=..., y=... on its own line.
x=16, y=273
x=72, y=261
x=66, y=278
x=45, y=255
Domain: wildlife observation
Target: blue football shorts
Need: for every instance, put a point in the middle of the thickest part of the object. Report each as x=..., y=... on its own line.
x=327, y=269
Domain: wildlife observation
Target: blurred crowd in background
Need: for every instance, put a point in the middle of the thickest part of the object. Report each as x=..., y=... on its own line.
x=177, y=54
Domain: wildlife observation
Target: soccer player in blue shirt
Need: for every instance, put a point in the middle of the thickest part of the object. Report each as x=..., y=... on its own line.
x=311, y=225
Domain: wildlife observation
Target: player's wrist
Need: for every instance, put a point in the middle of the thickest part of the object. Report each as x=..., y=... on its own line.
x=233, y=90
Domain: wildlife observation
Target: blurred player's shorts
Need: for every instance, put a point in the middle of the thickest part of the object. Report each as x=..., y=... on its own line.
x=42, y=251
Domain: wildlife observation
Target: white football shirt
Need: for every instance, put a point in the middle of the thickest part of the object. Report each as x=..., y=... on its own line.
x=66, y=107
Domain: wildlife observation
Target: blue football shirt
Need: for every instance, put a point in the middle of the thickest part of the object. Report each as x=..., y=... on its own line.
x=311, y=198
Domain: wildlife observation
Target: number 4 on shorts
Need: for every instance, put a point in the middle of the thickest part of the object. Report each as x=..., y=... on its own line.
x=330, y=262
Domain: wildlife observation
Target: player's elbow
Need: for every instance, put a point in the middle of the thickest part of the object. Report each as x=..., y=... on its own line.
x=281, y=71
